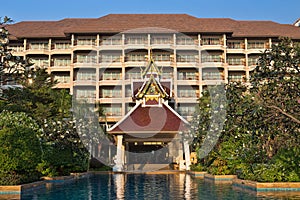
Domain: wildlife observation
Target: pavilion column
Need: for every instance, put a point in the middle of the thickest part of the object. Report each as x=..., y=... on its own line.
x=120, y=155
x=187, y=156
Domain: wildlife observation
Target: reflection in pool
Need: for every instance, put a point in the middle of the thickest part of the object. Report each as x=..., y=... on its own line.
x=140, y=186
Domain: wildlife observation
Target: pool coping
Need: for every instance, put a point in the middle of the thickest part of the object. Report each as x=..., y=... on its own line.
x=266, y=187
x=258, y=188
x=15, y=191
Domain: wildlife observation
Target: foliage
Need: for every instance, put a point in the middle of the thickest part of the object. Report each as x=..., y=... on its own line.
x=198, y=167
x=261, y=134
x=11, y=67
x=61, y=138
x=20, y=149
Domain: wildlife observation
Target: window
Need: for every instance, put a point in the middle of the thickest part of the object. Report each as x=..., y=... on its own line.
x=187, y=58
x=86, y=41
x=128, y=91
x=235, y=61
x=85, y=76
x=186, y=110
x=235, y=45
x=211, y=58
x=252, y=61
x=212, y=75
x=236, y=77
x=136, y=40
x=211, y=41
x=136, y=57
x=62, y=78
x=256, y=45
x=161, y=57
x=62, y=45
x=111, y=75
x=161, y=40
x=16, y=48
x=86, y=59
x=62, y=62
x=187, y=92
x=111, y=92
x=109, y=58
x=133, y=74
x=85, y=93
x=38, y=46
x=40, y=62
x=187, y=75
x=185, y=41
x=112, y=110
x=111, y=41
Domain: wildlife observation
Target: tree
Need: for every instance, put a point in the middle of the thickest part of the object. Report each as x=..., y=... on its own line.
x=261, y=134
x=11, y=67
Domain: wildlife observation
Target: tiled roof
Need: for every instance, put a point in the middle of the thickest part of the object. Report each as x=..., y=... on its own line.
x=115, y=23
x=157, y=119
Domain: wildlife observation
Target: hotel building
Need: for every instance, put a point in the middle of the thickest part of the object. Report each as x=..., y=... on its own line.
x=98, y=59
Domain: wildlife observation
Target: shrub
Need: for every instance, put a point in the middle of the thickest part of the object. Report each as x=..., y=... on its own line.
x=20, y=150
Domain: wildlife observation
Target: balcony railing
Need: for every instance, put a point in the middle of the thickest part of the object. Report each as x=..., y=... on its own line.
x=217, y=58
x=211, y=41
x=38, y=46
x=187, y=58
x=256, y=45
x=235, y=45
x=62, y=46
x=111, y=41
x=212, y=76
x=187, y=94
x=136, y=41
x=187, y=76
x=186, y=41
x=235, y=61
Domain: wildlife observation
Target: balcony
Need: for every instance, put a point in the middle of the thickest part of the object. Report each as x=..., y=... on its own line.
x=257, y=46
x=61, y=48
x=110, y=79
x=61, y=68
x=235, y=47
x=212, y=61
x=38, y=48
x=85, y=44
x=136, y=43
x=162, y=43
x=111, y=43
x=212, y=43
x=236, y=78
x=85, y=62
x=187, y=43
x=236, y=63
x=85, y=82
x=17, y=50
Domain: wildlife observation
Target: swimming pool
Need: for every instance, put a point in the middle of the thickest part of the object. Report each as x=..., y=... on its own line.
x=140, y=187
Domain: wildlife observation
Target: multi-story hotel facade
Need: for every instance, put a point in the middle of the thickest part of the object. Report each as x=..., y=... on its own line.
x=96, y=59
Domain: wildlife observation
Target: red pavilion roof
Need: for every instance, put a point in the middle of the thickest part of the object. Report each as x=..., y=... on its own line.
x=150, y=119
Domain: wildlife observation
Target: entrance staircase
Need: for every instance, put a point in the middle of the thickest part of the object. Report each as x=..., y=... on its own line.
x=146, y=167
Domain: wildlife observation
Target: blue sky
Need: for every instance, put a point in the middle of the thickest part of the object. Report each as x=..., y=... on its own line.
x=276, y=10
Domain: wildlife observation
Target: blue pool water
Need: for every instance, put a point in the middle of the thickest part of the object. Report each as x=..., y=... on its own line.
x=141, y=187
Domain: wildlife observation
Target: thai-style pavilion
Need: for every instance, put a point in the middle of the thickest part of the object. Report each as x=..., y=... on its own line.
x=152, y=132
